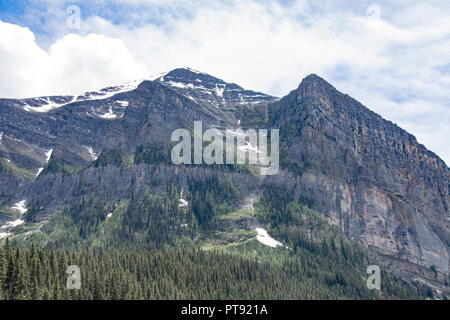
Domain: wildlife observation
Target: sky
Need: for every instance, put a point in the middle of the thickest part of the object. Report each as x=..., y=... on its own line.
x=394, y=57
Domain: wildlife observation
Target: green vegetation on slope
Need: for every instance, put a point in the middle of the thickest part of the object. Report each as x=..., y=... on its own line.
x=147, y=247
x=36, y=273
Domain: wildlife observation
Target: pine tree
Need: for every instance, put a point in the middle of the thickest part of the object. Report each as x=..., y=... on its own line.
x=3, y=267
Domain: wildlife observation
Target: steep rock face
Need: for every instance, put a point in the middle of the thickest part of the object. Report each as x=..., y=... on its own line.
x=365, y=174
x=155, y=111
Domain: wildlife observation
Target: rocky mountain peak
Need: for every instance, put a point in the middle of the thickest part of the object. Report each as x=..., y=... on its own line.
x=314, y=79
x=190, y=76
x=208, y=90
x=386, y=183
x=313, y=85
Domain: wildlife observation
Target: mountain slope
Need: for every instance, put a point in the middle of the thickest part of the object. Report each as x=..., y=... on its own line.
x=76, y=163
x=366, y=175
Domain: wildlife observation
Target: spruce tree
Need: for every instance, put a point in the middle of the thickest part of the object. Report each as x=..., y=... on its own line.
x=3, y=267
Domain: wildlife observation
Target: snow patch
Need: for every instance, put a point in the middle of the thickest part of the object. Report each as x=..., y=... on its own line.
x=20, y=206
x=123, y=103
x=219, y=91
x=190, y=86
x=48, y=106
x=248, y=147
x=105, y=93
x=39, y=172
x=109, y=115
x=267, y=240
x=235, y=133
x=194, y=71
x=12, y=224
x=48, y=155
x=92, y=154
x=158, y=76
x=111, y=91
x=183, y=203
x=4, y=234
x=182, y=85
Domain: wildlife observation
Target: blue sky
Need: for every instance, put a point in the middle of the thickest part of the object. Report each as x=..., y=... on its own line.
x=393, y=58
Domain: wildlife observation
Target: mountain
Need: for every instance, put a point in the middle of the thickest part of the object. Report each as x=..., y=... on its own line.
x=95, y=170
x=366, y=175
x=210, y=91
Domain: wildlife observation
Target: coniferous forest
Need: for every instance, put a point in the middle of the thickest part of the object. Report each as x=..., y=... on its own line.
x=36, y=273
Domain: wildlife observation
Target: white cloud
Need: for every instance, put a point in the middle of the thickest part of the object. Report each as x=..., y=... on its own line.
x=73, y=64
x=393, y=59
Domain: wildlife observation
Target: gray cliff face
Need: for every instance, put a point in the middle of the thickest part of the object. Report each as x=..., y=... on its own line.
x=366, y=175
x=362, y=173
